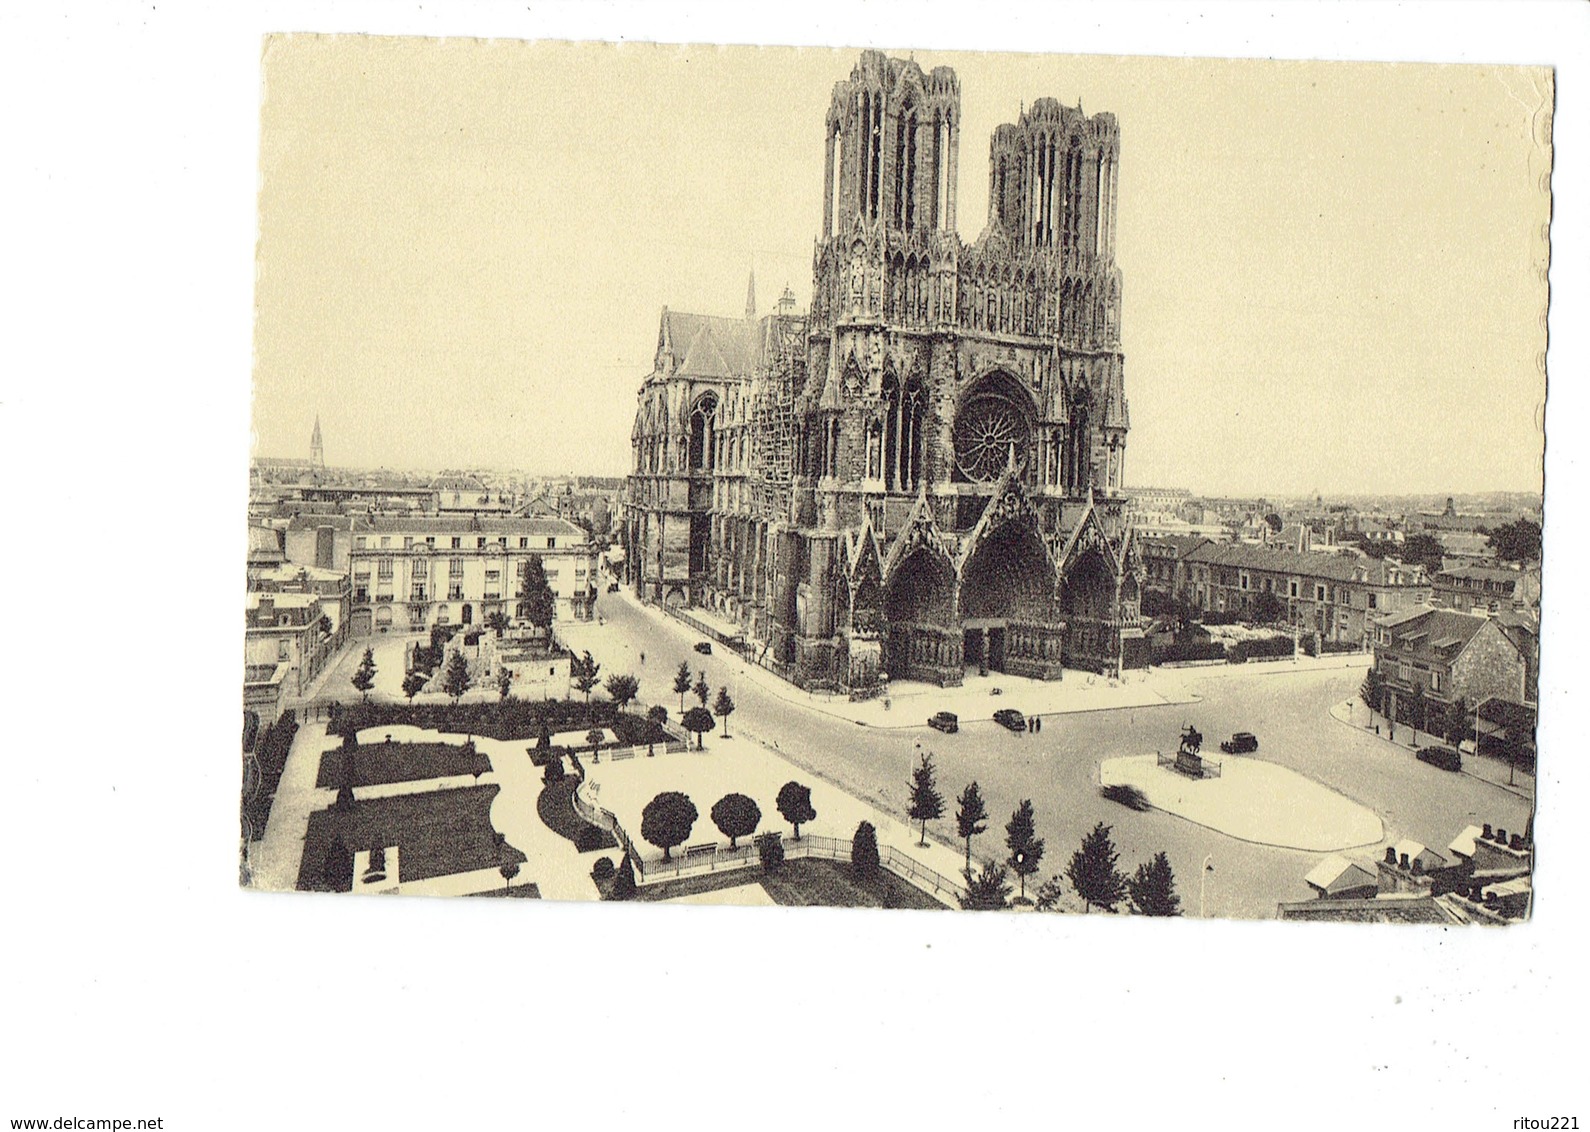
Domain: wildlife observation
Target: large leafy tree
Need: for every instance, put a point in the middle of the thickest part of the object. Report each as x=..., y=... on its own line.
x=927, y=804
x=1092, y=871
x=795, y=804
x=986, y=890
x=971, y=817
x=736, y=816
x=682, y=682
x=456, y=682
x=585, y=672
x=623, y=688
x=364, y=676
x=1026, y=848
x=723, y=707
x=1518, y=541
x=1153, y=889
x=537, y=604
x=667, y=821
x=1423, y=550
x=1268, y=609
x=699, y=720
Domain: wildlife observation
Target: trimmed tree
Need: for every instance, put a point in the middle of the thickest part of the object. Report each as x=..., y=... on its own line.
x=723, y=707
x=770, y=850
x=553, y=772
x=1153, y=890
x=1372, y=690
x=364, y=676
x=414, y=683
x=622, y=688
x=667, y=821
x=986, y=890
x=1092, y=871
x=509, y=870
x=736, y=816
x=594, y=738
x=337, y=868
x=537, y=604
x=1026, y=849
x=971, y=817
x=457, y=680
x=682, y=682
x=504, y=682
x=700, y=721
x=701, y=689
x=623, y=887
x=585, y=672
x=927, y=804
x=864, y=850
x=795, y=804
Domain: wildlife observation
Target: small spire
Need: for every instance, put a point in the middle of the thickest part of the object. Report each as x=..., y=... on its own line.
x=750, y=297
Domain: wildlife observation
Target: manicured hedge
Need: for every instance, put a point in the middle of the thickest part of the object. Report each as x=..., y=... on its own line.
x=510, y=720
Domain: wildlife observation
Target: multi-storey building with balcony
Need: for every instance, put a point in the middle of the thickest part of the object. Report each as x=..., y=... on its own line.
x=411, y=572
x=923, y=473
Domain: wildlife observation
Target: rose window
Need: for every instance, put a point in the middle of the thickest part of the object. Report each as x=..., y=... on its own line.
x=988, y=428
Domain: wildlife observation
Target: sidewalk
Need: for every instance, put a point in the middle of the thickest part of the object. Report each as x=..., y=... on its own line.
x=1354, y=713
x=911, y=702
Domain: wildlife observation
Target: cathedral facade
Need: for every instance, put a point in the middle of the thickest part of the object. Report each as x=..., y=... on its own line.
x=923, y=473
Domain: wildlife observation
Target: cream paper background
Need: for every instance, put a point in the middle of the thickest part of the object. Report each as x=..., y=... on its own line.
x=144, y=982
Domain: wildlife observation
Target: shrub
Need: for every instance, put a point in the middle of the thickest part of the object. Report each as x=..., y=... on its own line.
x=554, y=771
x=864, y=850
x=770, y=848
x=604, y=870
x=623, y=881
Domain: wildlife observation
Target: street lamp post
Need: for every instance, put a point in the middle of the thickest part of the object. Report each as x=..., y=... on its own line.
x=1203, y=875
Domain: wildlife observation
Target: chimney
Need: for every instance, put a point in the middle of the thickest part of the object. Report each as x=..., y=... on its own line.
x=1501, y=836
x=1487, y=833
x=1391, y=855
x=1404, y=861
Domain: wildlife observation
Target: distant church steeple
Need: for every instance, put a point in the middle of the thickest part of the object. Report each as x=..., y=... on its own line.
x=317, y=451
x=750, y=298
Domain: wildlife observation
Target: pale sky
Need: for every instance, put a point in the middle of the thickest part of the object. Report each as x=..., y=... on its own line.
x=1333, y=272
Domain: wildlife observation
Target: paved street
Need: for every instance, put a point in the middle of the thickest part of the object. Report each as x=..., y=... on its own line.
x=1058, y=768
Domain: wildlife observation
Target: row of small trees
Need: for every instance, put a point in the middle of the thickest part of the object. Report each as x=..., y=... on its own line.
x=699, y=719
x=1092, y=871
x=668, y=819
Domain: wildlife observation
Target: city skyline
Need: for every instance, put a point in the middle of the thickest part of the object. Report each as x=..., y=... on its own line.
x=434, y=238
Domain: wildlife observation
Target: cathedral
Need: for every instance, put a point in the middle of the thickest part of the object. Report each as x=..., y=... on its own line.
x=921, y=476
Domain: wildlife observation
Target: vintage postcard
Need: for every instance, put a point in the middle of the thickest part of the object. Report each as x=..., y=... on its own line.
x=892, y=478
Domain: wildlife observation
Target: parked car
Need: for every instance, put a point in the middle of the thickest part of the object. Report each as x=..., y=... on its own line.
x=1444, y=757
x=612, y=587
x=1242, y=743
x=704, y=648
x=1011, y=718
x=945, y=721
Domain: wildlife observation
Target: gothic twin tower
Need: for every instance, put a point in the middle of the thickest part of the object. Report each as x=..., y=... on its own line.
x=922, y=476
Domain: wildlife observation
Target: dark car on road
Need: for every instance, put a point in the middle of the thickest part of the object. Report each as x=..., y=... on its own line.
x=1242, y=743
x=945, y=721
x=612, y=587
x=704, y=648
x=1444, y=757
x=1011, y=718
